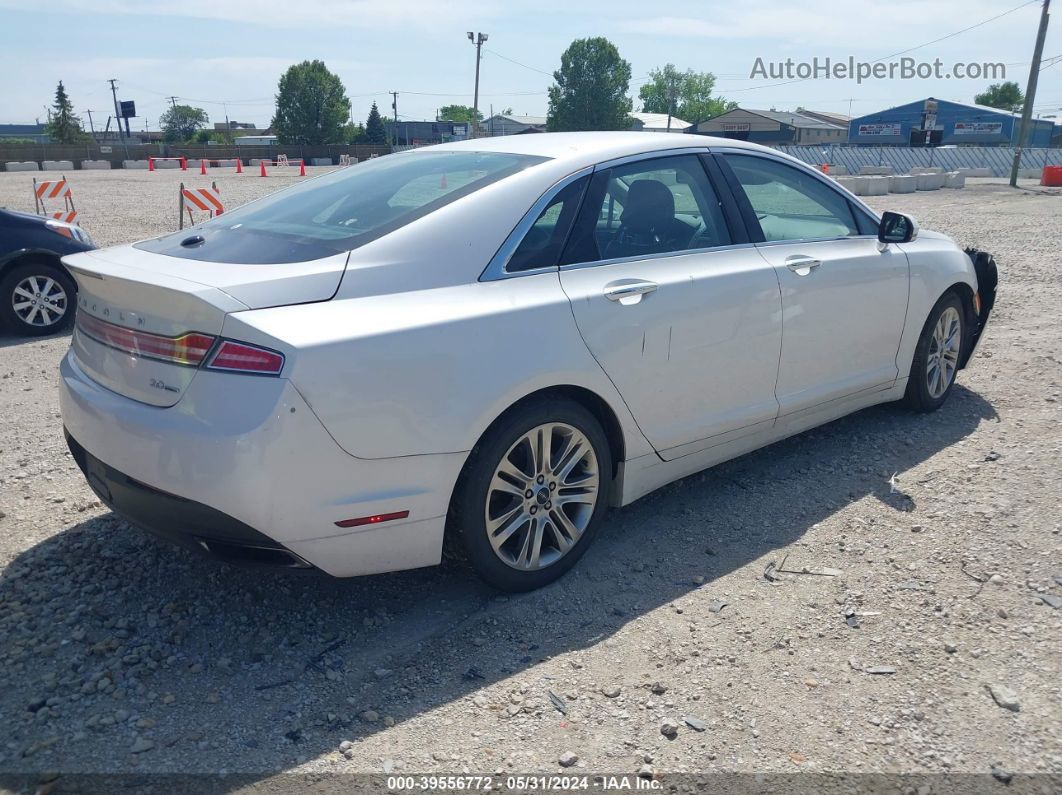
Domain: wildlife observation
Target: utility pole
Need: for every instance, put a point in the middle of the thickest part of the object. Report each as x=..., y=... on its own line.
x=92, y=129
x=1030, y=92
x=477, y=39
x=672, y=90
x=394, y=113
x=173, y=101
x=117, y=113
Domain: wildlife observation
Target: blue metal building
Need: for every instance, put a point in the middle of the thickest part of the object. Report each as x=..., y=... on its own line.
x=940, y=122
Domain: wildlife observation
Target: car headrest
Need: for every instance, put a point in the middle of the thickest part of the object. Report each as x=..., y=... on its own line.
x=649, y=204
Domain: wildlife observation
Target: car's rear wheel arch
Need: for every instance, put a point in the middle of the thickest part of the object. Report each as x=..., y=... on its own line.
x=589, y=400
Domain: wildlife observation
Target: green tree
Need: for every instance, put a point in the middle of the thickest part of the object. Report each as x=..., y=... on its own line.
x=63, y=126
x=463, y=113
x=1006, y=96
x=590, y=92
x=374, y=127
x=686, y=95
x=353, y=133
x=182, y=122
x=312, y=105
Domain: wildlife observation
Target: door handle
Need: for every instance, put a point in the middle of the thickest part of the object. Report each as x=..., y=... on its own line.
x=801, y=265
x=628, y=293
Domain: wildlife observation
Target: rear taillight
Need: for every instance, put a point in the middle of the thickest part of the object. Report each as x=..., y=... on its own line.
x=188, y=349
x=242, y=358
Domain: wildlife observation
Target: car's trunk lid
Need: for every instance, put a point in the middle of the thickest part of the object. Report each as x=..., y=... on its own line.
x=143, y=317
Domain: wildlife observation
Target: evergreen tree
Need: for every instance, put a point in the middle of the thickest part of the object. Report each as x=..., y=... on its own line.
x=63, y=126
x=374, y=128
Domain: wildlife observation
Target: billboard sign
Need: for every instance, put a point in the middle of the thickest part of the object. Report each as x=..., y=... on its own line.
x=881, y=129
x=733, y=126
x=978, y=128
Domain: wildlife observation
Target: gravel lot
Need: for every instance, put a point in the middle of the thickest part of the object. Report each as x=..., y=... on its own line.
x=934, y=647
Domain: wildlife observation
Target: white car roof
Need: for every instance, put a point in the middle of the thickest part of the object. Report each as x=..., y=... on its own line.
x=587, y=148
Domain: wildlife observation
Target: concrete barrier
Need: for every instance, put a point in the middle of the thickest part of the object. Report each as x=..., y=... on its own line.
x=320, y=161
x=229, y=162
x=135, y=164
x=857, y=185
x=903, y=183
x=953, y=179
x=96, y=165
x=171, y=164
x=25, y=165
x=875, y=171
x=254, y=161
x=975, y=172
x=1029, y=173
x=929, y=181
x=877, y=185
x=57, y=165
x=926, y=170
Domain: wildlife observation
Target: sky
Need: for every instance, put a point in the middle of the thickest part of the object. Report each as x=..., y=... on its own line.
x=227, y=55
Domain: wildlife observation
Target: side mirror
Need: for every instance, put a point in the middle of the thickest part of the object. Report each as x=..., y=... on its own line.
x=897, y=228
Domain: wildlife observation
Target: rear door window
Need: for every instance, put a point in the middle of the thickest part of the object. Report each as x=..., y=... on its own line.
x=655, y=206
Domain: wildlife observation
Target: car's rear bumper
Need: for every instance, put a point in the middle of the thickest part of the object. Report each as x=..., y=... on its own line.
x=240, y=459
x=185, y=522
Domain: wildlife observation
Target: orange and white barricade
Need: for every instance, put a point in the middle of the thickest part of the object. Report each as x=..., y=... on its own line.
x=54, y=189
x=206, y=199
x=282, y=160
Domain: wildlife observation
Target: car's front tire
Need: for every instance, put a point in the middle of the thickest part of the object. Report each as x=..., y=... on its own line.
x=937, y=355
x=37, y=298
x=532, y=494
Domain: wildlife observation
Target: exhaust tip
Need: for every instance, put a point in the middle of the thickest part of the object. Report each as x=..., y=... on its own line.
x=277, y=557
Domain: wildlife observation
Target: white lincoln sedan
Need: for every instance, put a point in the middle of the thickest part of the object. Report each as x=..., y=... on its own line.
x=488, y=343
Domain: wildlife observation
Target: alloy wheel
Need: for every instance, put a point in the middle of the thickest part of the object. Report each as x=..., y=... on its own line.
x=39, y=301
x=942, y=359
x=542, y=496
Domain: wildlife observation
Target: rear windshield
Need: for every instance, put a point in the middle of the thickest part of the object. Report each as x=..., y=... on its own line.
x=342, y=210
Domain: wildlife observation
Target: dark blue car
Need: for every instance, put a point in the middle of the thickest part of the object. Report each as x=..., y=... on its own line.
x=37, y=295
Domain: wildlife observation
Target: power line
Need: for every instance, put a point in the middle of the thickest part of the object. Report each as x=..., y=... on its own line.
x=518, y=63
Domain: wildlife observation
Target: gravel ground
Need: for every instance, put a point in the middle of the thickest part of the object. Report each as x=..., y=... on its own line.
x=911, y=624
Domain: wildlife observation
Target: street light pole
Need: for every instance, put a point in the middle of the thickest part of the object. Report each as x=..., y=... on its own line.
x=477, y=39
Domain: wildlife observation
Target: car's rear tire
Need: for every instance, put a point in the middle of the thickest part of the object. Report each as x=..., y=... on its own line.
x=37, y=297
x=937, y=355
x=522, y=517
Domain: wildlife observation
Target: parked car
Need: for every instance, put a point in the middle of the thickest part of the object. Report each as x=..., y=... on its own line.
x=489, y=342
x=37, y=295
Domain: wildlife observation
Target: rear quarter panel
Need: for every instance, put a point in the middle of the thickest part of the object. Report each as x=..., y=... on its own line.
x=427, y=371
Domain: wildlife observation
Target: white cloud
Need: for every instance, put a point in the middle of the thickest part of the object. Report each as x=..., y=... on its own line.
x=855, y=25
x=363, y=14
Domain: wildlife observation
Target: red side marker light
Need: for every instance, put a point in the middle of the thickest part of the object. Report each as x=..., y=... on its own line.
x=380, y=517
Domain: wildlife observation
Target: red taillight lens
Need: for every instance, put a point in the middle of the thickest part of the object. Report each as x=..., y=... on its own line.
x=241, y=358
x=188, y=349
